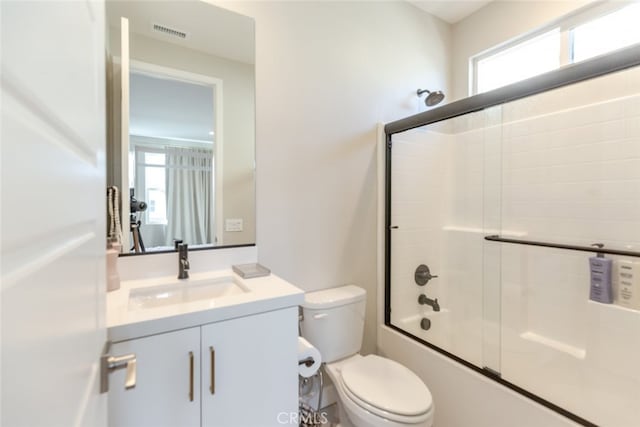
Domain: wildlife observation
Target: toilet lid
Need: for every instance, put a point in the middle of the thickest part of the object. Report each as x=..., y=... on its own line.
x=387, y=385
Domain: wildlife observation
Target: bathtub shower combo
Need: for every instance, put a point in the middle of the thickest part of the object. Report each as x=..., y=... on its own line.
x=493, y=206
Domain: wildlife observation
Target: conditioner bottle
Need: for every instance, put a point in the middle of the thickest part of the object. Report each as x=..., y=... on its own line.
x=600, y=267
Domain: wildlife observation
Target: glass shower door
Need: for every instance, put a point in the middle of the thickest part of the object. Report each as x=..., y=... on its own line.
x=571, y=176
x=445, y=198
x=495, y=203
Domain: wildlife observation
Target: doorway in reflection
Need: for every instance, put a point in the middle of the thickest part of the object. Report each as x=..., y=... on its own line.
x=172, y=147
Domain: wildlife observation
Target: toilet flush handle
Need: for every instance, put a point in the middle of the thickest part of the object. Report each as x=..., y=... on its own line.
x=320, y=315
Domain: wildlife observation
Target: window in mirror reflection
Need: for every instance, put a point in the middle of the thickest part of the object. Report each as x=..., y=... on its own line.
x=154, y=186
x=172, y=160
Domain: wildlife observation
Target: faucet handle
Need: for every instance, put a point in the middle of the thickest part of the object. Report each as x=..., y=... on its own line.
x=422, y=275
x=176, y=243
x=183, y=261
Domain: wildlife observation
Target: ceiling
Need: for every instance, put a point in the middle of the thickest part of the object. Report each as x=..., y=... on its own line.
x=450, y=11
x=209, y=28
x=178, y=110
x=173, y=109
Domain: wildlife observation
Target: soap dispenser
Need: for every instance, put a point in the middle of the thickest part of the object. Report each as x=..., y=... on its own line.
x=627, y=278
x=600, y=267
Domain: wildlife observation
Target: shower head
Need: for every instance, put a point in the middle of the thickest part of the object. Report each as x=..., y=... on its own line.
x=433, y=98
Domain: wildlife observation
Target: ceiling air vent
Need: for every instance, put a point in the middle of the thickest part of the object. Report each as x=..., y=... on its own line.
x=169, y=31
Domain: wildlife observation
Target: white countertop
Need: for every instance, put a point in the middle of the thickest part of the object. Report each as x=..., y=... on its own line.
x=265, y=294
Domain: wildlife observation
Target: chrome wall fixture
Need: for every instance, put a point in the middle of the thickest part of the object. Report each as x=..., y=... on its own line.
x=422, y=276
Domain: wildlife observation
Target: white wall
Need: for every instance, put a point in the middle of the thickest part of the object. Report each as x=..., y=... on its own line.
x=495, y=24
x=327, y=72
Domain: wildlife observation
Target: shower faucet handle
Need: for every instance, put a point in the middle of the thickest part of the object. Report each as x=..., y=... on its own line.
x=423, y=275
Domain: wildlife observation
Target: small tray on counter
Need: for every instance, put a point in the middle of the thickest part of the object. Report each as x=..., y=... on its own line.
x=249, y=271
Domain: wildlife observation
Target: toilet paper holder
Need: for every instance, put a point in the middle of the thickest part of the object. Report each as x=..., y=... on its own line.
x=306, y=362
x=309, y=358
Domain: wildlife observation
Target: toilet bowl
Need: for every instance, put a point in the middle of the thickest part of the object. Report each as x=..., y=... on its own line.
x=378, y=392
x=372, y=391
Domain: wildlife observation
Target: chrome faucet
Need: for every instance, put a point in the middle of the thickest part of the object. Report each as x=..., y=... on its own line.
x=183, y=261
x=423, y=299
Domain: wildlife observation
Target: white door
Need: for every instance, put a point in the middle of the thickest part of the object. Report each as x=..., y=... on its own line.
x=250, y=370
x=167, y=391
x=52, y=213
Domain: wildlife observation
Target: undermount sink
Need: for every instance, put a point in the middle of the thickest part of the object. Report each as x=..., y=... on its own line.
x=186, y=291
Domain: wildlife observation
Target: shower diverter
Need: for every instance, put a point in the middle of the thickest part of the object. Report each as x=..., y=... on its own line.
x=423, y=275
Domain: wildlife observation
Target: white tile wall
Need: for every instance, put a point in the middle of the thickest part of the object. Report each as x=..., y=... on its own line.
x=418, y=211
x=571, y=174
x=561, y=166
x=438, y=204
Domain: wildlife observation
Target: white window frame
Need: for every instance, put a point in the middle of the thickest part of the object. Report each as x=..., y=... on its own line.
x=139, y=172
x=565, y=25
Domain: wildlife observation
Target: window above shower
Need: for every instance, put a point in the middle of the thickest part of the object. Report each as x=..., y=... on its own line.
x=592, y=31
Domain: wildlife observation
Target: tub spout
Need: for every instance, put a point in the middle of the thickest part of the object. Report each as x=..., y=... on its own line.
x=423, y=299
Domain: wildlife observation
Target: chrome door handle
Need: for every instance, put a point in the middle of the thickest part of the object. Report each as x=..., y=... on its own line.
x=110, y=363
x=127, y=361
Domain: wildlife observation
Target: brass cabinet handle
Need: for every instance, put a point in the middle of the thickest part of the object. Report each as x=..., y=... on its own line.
x=191, y=376
x=212, y=387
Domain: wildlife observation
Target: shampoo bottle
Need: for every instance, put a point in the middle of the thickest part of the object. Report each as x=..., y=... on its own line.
x=601, y=289
x=627, y=278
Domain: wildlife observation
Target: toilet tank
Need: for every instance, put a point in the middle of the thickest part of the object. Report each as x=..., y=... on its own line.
x=333, y=321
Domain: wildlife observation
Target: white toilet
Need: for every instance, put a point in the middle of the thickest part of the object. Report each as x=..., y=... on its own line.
x=372, y=390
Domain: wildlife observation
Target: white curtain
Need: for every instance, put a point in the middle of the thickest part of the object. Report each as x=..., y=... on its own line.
x=189, y=195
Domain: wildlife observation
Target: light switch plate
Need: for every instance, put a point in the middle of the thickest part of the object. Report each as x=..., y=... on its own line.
x=233, y=224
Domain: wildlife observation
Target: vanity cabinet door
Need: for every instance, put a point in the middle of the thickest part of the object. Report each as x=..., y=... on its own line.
x=250, y=370
x=167, y=390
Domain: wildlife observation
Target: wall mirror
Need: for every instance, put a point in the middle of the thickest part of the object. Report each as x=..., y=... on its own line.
x=181, y=125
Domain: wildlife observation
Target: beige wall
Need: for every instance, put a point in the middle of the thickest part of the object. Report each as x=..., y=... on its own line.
x=327, y=72
x=494, y=24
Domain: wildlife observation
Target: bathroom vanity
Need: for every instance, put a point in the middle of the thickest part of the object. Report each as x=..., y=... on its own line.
x=214, y=349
